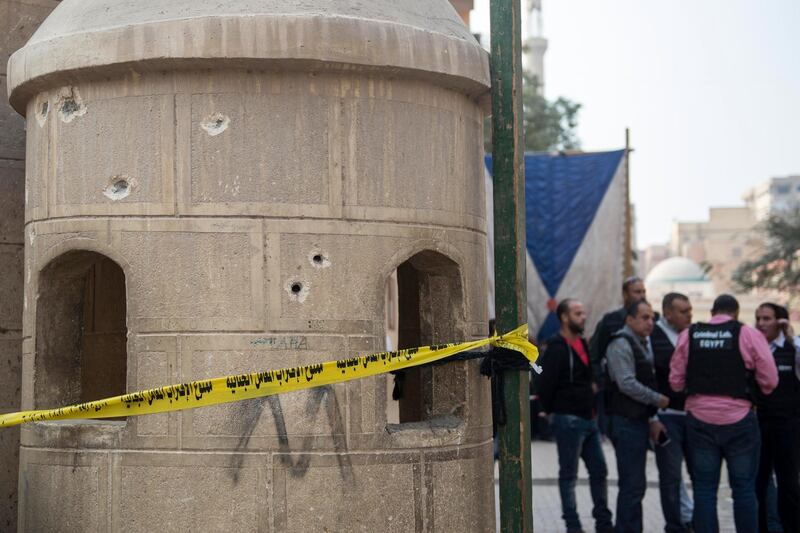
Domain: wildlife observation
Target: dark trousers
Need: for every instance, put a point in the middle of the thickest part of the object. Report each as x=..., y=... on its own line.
x=579, y=438
x=780, y=450
x=630, y=437
x=669, y=460
x=739, y=445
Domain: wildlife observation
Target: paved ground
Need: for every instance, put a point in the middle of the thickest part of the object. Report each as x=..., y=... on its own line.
x=547, y=504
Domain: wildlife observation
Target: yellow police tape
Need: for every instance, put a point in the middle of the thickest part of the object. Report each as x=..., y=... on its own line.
x=258, y=384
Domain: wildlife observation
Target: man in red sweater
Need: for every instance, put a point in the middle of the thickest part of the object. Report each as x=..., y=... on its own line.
x=565, y=390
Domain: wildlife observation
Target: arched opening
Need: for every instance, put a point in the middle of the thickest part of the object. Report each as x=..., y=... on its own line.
x=428, y=307
x=81, y=331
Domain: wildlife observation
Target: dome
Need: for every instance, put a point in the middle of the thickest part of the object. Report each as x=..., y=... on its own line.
x=676, y=269
x=96, y=38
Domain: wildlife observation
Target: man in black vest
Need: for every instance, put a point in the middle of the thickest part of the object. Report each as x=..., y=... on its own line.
x=669, y=432
x=716, y=364
x=565, y=390
x=633, y=290
x=631, y=400
x=779, y=421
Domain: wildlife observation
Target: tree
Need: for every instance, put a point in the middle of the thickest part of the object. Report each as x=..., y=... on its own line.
x=548, y=126
x=779, y=266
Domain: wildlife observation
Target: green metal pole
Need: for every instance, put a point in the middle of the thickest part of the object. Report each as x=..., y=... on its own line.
x=516, y=502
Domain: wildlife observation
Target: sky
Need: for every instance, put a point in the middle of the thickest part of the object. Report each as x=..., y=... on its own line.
x=710, y=90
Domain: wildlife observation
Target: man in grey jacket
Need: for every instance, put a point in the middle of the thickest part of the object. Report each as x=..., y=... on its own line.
x=631, y=400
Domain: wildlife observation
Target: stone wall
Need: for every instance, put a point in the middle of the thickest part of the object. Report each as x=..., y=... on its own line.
x=18, y=20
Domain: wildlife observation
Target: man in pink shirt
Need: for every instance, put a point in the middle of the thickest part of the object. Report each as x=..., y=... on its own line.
x=715, y=364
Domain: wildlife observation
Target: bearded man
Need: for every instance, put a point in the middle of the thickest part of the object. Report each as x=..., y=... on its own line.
x=566, y=392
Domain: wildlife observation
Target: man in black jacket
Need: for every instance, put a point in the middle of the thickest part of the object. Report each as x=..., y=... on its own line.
x=779, y=420
x=669, y=432
x=633, y=290
x=566, y=392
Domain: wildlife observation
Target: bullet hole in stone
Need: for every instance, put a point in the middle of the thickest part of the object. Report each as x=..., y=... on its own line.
x=119, y=188
x=319, y=259
x=70, y=104
x=298, y=290
x=41, y=113
x=216, y=124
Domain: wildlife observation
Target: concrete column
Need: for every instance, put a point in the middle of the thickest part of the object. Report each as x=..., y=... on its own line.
x=218, y=187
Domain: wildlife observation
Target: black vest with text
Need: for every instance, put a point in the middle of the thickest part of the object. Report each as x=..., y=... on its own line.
x=715, y=365
x=621, y=404
x=784, y=402
x=662, y=356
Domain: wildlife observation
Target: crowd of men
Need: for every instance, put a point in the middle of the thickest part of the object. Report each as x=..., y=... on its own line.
x=694, y=393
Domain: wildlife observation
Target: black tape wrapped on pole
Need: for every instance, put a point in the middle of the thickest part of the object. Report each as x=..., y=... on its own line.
x=494, y=365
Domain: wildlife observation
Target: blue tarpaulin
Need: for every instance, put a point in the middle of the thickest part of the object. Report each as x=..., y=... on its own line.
x=562, y=195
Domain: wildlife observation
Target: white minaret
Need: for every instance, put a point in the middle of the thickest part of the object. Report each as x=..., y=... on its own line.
x=535, y=45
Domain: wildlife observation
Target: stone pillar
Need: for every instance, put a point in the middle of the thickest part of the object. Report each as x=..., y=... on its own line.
x=18, y=20
x=218, y=187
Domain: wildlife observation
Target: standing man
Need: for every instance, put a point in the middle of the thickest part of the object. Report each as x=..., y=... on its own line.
x=670, y=429
x=632, y=399
x=565, y=390
x=714, y=364
x=632, y=290
x=779, y=421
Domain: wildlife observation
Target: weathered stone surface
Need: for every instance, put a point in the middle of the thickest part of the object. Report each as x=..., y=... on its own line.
x=74, y=483
x=424, y=38
x=9, y=472
x=11, y=363
x=374, y=493
x=169, y=492
x=112, y=153
x=12, y=201
x=12, y=286
x=177, y=280
x=276, y=172
x=257, y=171
x=19, y=19
x=12, y=126
x=456, y=486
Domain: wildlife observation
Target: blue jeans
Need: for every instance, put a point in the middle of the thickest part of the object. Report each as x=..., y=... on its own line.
x=739, y=445
x=576, y=438
x=669, y=460
x=631, y=438
x=780, y=452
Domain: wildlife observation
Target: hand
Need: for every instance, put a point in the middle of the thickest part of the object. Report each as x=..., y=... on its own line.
x=663, y=402
x=656, y=429
x=786, y=326
x=594, y=387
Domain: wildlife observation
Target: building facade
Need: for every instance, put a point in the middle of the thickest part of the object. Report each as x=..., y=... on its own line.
x=719, y=244
x=774, y=196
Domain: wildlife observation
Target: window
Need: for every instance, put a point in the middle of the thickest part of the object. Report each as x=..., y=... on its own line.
x=81, y=332
x=783, y=189
x=430, y=311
